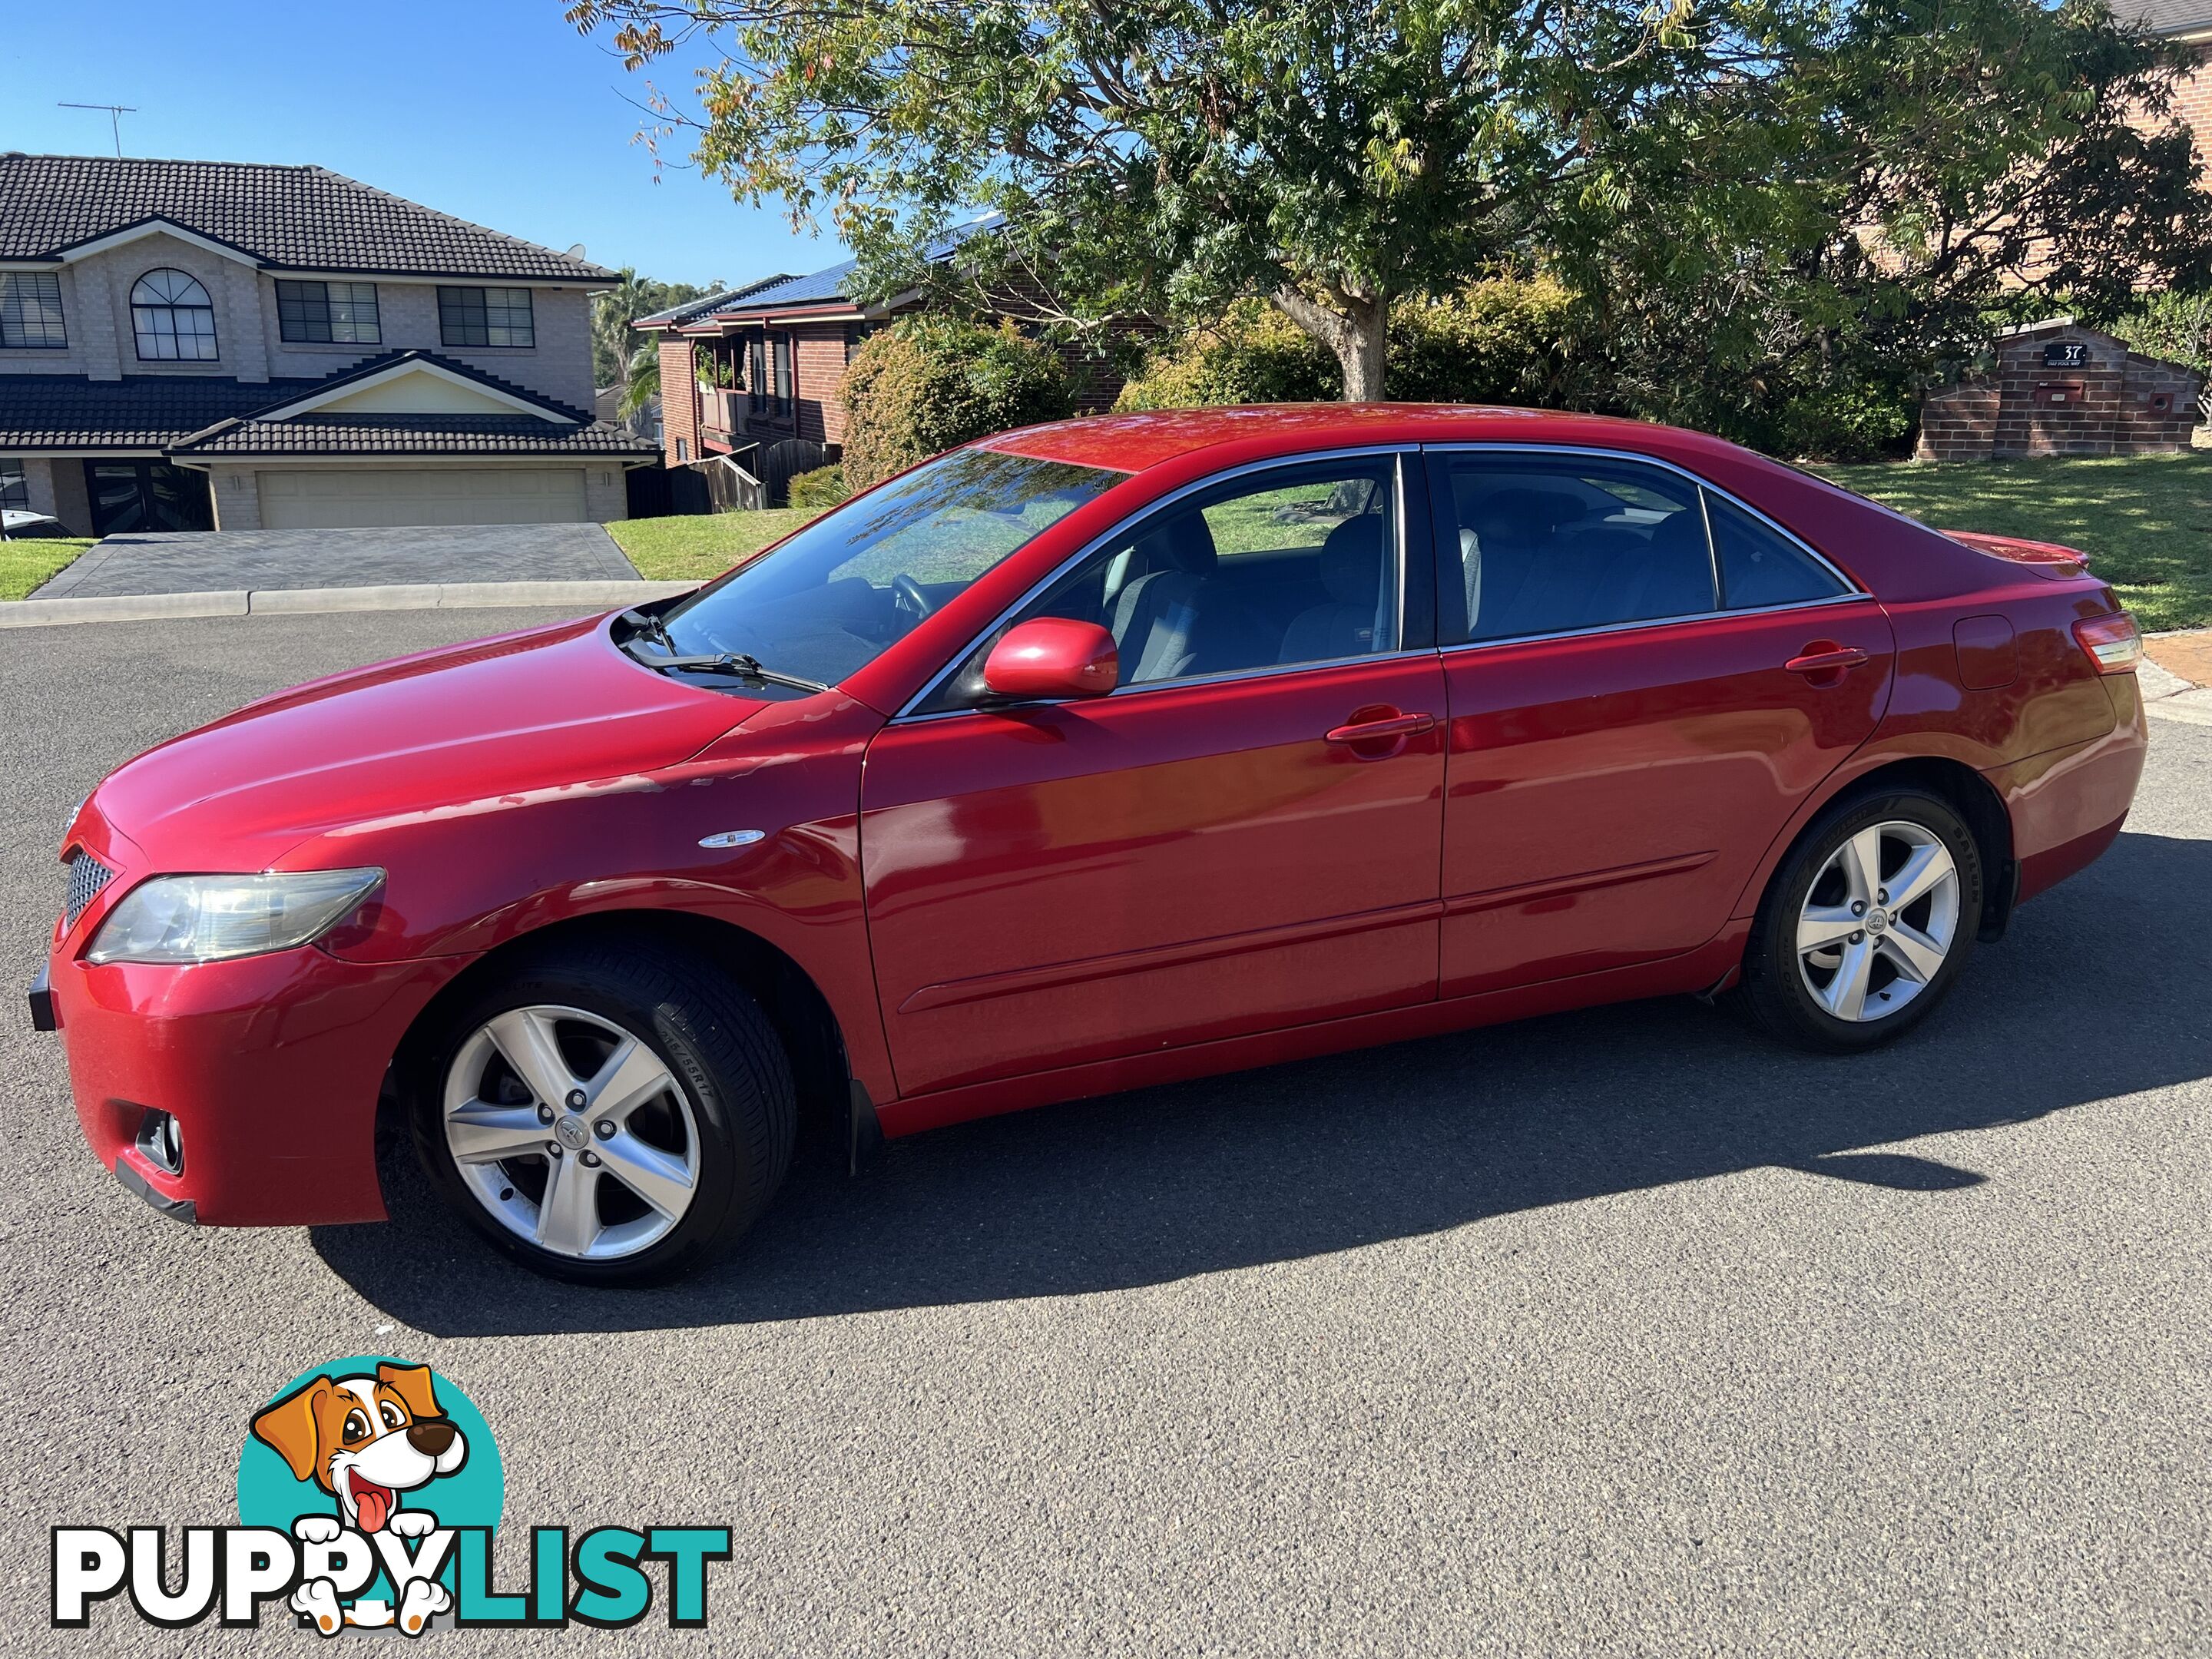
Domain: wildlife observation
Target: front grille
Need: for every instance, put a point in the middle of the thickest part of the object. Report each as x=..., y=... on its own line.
x=88, y=875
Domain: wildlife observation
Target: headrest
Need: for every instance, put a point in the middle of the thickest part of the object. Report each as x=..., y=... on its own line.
x=1529, y=514
x=1352, y=560
x=1681, y=535
x=1181, y=543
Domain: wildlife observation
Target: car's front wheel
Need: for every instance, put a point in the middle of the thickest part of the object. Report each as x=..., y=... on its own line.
x=1867, y=923
x=608, y=1112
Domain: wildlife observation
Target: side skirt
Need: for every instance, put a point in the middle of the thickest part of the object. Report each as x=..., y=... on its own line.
x=1686, y=975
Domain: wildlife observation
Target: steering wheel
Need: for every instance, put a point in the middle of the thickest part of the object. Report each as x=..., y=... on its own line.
x=907, y=595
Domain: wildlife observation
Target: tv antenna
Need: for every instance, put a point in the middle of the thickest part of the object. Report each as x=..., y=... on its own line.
x=115, y=114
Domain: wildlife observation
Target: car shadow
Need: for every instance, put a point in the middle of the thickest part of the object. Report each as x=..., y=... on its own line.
x=2101, y=990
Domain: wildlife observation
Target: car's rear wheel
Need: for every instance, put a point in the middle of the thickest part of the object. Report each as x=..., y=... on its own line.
x=1867, y=923
x=608, y=1113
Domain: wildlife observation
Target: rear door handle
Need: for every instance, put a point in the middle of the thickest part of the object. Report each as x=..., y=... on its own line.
x=1833, y=660
x=1393, y=725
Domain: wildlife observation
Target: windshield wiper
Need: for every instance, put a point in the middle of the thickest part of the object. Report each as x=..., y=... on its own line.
x=645, y=622
x=736, y=664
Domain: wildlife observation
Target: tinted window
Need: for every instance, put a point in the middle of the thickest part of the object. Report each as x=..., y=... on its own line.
x=1295, y=565
x=1759, y=566
x=832, y=597
x=485, y=316
x=1552, y=546
x=328, y=314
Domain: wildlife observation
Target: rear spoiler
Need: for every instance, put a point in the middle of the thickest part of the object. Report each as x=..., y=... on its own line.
x=2046, y=558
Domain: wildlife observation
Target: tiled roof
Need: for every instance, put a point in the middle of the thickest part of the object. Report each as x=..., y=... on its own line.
x=387, y=360
x=317, y=434
x=2169, y=17
x=139, y=411
x=197, y=415
x=298, y=218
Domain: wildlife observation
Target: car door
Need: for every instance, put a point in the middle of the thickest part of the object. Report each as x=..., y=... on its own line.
x=1243, y=834
x=1644, y=678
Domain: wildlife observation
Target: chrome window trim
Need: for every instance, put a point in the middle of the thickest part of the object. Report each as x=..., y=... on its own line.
x=1578, y=451
x=1855, y=597
x=907, y=712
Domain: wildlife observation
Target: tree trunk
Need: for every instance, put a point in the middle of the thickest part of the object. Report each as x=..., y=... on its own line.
x=1357, y=335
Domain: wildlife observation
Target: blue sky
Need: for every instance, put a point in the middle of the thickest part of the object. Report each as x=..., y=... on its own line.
x=494, y=110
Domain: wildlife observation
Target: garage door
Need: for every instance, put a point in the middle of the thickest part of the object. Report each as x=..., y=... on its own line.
x=346, y=498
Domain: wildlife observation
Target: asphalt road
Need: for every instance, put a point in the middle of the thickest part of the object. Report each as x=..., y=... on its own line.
x=1617, y=1333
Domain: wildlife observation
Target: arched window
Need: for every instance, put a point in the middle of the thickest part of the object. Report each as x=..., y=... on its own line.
x=173, y=318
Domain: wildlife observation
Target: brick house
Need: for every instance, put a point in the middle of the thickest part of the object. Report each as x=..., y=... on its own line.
x=188, y=345
x=2189, y=22
x=2061, y=389
x=757, y=373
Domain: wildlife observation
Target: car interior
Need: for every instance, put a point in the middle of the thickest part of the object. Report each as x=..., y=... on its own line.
x=1178, y=605
x=1546, y=553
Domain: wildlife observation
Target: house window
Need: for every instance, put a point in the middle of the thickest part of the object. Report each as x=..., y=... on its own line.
x=856, y=337
x=485, y=316
x=769, y=374
x=15, y=492
x=683, y=450
x=328, y=314
x=172, y=317
x=31, y=310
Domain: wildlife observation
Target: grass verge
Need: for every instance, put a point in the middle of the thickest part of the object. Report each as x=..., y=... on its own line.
x=2144, y=520
x=25, y=565
x=696, y=546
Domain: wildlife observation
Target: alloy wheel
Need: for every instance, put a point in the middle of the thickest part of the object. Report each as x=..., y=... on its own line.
x=1878, y=921
x=571, y=1132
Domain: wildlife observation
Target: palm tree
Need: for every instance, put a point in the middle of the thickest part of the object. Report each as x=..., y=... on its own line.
x=612, y=313
x=641, y=377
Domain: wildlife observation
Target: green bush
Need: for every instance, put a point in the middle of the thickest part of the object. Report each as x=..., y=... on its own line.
x=1503, y=341
x=1866, y=420
x=928, y=384
x=1500, y=341
x=2175, y=326
x=1252, y=355
x=825, y=486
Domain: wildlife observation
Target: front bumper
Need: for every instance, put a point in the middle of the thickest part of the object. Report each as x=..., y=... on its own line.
x=271, y=1064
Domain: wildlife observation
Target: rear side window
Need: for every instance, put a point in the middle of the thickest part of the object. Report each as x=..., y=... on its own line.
x=1759, y=566
x=1556, y=546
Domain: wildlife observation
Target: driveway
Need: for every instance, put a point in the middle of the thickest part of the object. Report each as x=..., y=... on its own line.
x=200, y=562
x=1623, y=1332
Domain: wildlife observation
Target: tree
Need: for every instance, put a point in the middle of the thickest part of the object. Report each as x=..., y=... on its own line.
x=929, y=384
x=1165, y=156
x=614, y=341
x=642, y=382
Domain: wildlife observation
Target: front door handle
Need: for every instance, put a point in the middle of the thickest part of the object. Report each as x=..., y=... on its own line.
x=1822, y=658
x=1381, y=727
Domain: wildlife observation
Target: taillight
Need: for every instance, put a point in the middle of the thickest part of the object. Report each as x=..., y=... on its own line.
x=2114, y=643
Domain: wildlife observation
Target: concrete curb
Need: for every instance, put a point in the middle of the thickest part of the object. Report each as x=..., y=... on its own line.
x=305, y=601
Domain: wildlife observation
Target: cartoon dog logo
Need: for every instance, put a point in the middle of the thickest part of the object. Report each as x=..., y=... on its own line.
x=367, y=1440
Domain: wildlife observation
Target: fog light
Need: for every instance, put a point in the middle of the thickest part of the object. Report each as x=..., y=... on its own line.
x=162, y=1143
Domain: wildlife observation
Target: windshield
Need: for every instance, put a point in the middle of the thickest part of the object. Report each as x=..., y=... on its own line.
x=829, y=600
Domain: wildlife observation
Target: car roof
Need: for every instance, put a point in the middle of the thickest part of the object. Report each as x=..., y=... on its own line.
x=1134, y=442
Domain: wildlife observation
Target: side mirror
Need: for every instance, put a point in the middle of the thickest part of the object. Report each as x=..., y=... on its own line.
x=1054, y=657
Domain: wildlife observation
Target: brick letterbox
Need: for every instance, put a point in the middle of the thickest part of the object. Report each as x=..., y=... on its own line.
x=2051, y=394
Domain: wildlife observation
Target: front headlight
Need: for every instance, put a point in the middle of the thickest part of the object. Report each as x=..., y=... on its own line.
x=209, y=918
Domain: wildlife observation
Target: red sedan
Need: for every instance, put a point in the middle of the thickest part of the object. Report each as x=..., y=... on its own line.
x=1092, y=756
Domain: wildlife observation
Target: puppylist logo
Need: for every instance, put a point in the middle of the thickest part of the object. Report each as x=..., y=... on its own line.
x=369, y=1490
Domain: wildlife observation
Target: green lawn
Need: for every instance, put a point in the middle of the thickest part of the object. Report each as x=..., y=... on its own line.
x=2144, y=520
x=25, y=564
x=703, y=544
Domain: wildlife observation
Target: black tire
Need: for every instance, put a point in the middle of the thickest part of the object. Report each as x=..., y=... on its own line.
x=716, y=1042
x=1774, y=992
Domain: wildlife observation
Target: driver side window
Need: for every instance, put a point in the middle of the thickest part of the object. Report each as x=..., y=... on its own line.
x=1291, y=565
